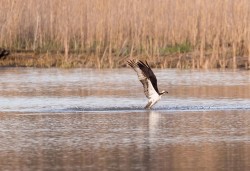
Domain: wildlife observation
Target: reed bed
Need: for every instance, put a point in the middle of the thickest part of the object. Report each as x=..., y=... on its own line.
x=103, y=33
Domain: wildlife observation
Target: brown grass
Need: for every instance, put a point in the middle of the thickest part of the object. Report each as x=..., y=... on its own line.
x=107, y=31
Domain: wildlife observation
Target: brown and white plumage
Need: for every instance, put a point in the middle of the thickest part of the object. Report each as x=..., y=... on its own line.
x=148, y=80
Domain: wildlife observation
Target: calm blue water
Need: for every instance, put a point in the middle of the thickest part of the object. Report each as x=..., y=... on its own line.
x=85, y=119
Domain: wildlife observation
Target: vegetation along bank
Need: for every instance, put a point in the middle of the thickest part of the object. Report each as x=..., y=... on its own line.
x=105, y=33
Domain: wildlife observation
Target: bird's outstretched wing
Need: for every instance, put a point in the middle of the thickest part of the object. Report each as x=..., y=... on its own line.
x=147, y=72
x=144, y=78
x=137, y=69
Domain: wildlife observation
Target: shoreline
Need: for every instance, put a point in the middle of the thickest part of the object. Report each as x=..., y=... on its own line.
x=179, y=60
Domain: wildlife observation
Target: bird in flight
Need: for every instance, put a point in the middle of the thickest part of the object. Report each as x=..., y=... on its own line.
x=148, y=80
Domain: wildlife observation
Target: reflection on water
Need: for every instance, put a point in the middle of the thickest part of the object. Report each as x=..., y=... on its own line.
x=89, y=120
x=128, y=141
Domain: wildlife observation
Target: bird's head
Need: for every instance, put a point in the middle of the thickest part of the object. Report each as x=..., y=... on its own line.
x=163, y=92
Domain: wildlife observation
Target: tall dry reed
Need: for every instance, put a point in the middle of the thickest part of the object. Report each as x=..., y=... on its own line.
x=104, y=29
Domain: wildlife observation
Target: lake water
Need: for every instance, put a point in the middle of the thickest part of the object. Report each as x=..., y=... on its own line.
x=85, y=119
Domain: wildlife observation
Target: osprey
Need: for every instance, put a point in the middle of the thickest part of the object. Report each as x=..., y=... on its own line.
x=148, y=80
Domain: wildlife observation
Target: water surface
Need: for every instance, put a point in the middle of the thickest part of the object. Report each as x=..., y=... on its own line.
x=85, y=119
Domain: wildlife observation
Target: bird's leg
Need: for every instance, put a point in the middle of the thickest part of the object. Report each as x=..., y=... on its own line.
x=148, y=105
